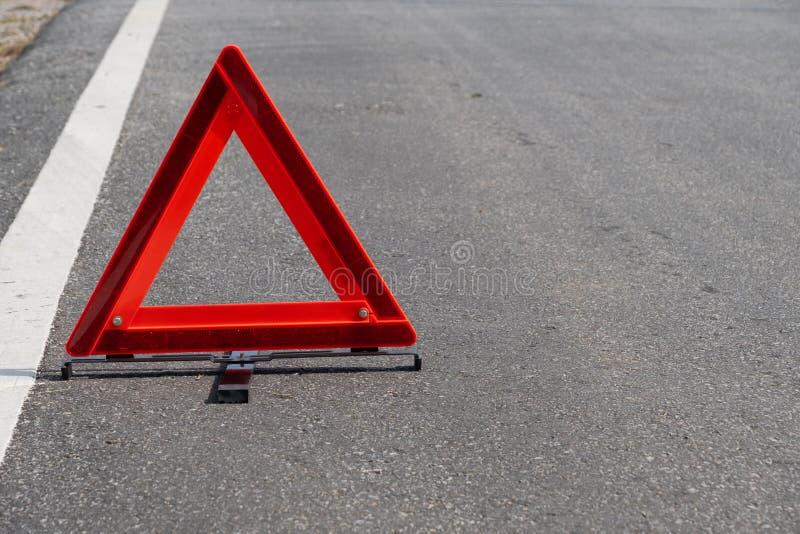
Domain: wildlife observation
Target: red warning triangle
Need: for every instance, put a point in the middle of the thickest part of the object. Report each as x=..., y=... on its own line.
x=115, y=322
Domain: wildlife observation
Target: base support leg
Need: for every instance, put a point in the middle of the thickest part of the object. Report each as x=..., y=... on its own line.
x=234, y=386
x=66, y=371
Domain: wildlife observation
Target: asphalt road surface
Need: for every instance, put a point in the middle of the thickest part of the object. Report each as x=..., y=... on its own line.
x=589, y=211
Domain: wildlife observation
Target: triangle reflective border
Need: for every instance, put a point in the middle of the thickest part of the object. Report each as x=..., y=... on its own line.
x=114, y=320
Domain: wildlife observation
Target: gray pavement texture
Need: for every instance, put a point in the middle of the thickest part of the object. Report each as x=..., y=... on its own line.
x=634, y=163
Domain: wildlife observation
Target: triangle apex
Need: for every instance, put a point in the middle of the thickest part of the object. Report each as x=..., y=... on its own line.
x=231, y=49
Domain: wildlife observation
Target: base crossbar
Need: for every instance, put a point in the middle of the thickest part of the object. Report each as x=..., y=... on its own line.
x=238, y=366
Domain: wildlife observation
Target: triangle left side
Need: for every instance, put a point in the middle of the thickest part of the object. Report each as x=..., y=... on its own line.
x=148, y=237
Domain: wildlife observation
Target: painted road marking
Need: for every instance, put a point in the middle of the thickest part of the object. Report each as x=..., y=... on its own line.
x=40, y=246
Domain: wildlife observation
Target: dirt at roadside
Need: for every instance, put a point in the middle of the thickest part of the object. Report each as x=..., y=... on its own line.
x=20, y=21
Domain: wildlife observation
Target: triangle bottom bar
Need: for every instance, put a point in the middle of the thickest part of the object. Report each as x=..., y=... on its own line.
x=266, y=337
x=202, y=316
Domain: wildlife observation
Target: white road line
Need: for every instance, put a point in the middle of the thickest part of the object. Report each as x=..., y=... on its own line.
x=40, y=246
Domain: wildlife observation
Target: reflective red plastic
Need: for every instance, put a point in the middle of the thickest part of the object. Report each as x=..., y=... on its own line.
x=114, y=320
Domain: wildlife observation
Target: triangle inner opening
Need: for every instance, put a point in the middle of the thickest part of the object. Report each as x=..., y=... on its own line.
x=238, y=245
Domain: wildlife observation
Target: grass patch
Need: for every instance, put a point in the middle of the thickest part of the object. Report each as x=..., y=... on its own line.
x=20, y=22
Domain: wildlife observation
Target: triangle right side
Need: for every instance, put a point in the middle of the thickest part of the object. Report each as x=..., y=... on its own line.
x=303, y=195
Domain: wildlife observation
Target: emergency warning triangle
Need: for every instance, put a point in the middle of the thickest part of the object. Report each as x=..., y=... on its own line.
x=114, y=320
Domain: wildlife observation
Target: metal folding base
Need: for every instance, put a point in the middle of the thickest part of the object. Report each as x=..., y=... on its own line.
x=238, y=366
